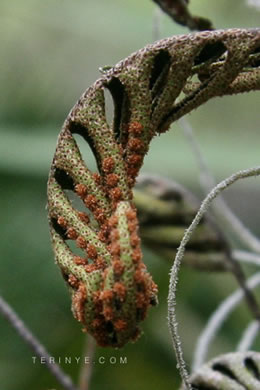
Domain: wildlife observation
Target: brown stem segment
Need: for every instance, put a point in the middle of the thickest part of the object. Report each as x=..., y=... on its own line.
x=179, y=12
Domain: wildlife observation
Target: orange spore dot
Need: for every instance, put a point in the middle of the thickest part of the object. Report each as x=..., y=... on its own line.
x=115, y=194
x=108, y=313
x=134, y=159
x=120, y=290
x=134, y=240
x=97, y=178
x=83, y=217
x=90, y=268
x=72, y=234
x=113, y=221
x=81, y=242
x=108, y=165
x=118, y=267
x=73, y=281
x=135, y=144
x=91, y=202
x=112, y=180
x=106, y=295
x=99, y=215
x=91, y=251
x=79, y=260
x=114, y=249
x=62, y=222
x=81, y=190
x=135, y=128
x=136, y=255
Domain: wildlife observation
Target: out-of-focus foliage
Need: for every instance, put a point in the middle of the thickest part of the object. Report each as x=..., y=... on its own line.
x=50, y=53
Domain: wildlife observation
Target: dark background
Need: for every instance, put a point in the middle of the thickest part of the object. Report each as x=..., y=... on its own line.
x=50, y=53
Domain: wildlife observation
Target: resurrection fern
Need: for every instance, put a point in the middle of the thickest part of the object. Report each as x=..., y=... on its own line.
x=110, y=286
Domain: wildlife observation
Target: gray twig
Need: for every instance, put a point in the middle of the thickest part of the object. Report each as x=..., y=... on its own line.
x=36, y=346
x=86, y=369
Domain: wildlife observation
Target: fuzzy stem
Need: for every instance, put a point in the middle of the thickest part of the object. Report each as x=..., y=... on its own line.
x=172, y=321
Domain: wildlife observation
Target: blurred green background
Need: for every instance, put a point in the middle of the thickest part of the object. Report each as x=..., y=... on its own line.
x=50, y=53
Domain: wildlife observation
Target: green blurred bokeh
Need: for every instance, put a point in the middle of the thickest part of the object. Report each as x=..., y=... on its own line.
x=50, y=53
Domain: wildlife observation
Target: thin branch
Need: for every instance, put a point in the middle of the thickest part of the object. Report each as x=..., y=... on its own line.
x=246, y=257
x=36, y=346
x=216, y=321
x=173, y=325
x=248, y=337
x=178, y=11
x=222, y=212
x=86, y=369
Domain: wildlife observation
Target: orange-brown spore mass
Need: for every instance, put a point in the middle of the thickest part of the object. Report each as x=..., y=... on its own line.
x=120, y=290
x=106, y=295
x=99, y=215
x=136, y=128
x=135, y=144
x=118, y=267
x=81, y=242
x=134, y=159
x=97, y=178
x=91, y=251
x=62, y=222
x=72, y=234
x=81, y=190
x=83, y=217
x=91, y=202
x=73, y=281
x=115, y=194
x=79, y=260
x=78, y=303
x=108, y=165
x=112, y=180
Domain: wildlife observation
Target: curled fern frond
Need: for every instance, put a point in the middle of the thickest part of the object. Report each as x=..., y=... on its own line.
x=110, y=286
x=232, y=371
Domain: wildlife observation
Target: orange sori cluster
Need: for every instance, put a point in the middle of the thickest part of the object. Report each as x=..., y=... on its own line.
x=108, y=322
x=90, y=201
x=111, y=180
x=78, y=302
x=106, y=312
x=146, y=288
x=89, y=249
x=135, y=151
